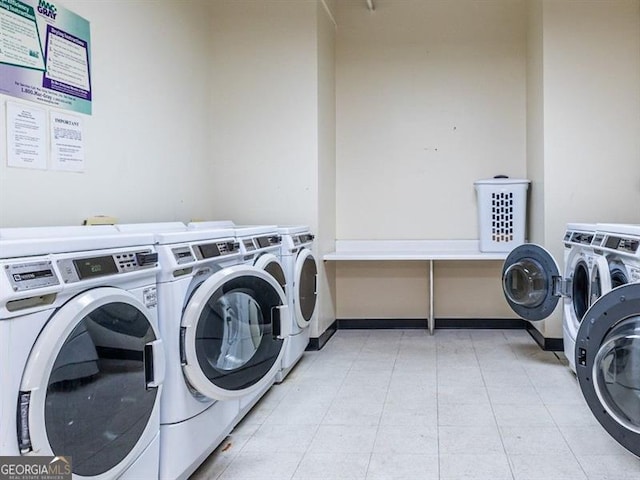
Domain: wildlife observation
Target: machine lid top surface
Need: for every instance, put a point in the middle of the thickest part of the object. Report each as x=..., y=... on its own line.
x=26, y=242
x=175, y=232
x=293, y=229
x=620, y=228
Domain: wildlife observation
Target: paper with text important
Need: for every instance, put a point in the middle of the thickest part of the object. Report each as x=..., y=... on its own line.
x=67, y=142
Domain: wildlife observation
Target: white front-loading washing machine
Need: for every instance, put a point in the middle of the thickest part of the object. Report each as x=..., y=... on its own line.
x=608, y=363
x=221, y=320
x=533, y=284
x=586, y=279
x=606, y=355
x=81, y=358
x=301, y=271
x=261, y=248
x=619, y=244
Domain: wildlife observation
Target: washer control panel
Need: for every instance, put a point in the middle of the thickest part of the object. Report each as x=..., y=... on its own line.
x=27, y=276
x=268, y=241
x=182, y=255
x=249, y=246
x=76, y=269
x=302, y=238
x=216, y=249
x=627, y=245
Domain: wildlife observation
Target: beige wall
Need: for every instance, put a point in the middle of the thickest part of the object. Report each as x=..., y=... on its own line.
x=273, y=121
x=400, y=290
x=404, y=290
x=588, y=152
x=431, y=95
x=326, y=163
x=147, y=142
x=239, y=117
x=535, y=122
x=264, y=105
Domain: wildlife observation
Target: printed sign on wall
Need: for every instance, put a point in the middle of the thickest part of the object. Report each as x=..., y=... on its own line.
x=45, y=54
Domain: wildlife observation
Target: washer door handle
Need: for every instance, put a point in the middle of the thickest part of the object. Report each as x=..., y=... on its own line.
x=154, y=363
x=281, y=321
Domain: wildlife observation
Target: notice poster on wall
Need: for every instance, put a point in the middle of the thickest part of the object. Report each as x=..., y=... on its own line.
x=67, y=143
x=26, y=136
x=45, y=54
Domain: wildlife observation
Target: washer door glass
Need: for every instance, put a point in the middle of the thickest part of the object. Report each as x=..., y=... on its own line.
x=306, y=296
x=97, y=395
x=580, y=290
x=618, y=275
x=230, y=333
x=600, y=280
x=616, y=373
x=528, y=282
x=270, y=264
x=608, y=363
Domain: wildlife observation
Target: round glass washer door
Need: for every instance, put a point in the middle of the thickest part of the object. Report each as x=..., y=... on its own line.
x=270, y=264
x=527, y=282
x=608, y=363
x=232, y=333
x=90, y=389
x=306, y=287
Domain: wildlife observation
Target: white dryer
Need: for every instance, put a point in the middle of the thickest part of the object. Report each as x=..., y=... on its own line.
x=81, y=359
x=301, y=272
x=619, y=244
x=260, y=246
x=221, y=321
x=533, y=284
x=608, y=363
x=606, y=356
x=586, y=279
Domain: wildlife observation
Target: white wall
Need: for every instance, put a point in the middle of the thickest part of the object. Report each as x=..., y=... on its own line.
x=326, y=163
x=591, y=71
x=535, y=122
x=264, y=103
x=147, y=142
x=431, y=95
x=273, y=121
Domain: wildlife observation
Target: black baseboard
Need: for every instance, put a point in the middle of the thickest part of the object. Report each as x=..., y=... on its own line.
x=380, y=323
x=316, y=343
x=548, y=344
x=417, y=323
x=481, y=323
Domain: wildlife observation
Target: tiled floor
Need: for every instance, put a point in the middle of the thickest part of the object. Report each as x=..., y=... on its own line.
x=400, y=404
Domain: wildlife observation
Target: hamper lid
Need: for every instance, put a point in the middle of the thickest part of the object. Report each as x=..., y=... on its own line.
x=502, y=180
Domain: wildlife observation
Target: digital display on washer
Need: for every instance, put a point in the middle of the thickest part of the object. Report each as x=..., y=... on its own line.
x=612, y=242
x=582, y=238
x=209, y=250
x=95, y=267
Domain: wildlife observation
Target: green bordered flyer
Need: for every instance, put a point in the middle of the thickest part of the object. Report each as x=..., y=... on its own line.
x=45, y=54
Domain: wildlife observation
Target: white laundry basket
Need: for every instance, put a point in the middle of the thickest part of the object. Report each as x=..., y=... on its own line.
x=502, y=211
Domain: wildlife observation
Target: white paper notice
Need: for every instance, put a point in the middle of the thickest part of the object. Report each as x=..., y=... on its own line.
x=26, y=136
x=67, y=143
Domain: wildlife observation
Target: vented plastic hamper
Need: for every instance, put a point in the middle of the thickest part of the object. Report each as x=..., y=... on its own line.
x=502, y=211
